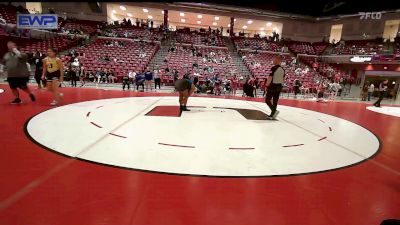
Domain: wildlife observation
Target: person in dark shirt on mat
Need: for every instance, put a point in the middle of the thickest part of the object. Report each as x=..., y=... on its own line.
x=381, y=92
x=274, y=86
x=185, y=87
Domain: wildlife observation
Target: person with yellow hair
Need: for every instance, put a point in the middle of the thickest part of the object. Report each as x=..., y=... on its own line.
x=54, y=74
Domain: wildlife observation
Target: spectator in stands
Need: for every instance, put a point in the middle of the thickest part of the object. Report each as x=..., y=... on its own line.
x=105, y=58
x=364, y=92
x=111, y=77
x=217, y=85
x=125, y=81
x=234, y=84
x=90, y=75
x=139, y=80
x=320, y=92
x=248, y=89
x=371, y=89
x=157, y=79
x=336, y=89
x=72, y=75
x=226, y=85
x=148, y=76
x=196, y=76
x=297, y=85
x=38, y=59
x=132, y=75
x=253, y=82
x=176, y=75
x=142, y=53
x=82, y=75
x=99, y=75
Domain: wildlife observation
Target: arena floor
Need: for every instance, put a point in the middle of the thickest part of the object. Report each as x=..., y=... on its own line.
x=113, y=157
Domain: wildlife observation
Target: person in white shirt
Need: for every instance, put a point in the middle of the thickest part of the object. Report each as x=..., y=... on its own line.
x=132, y=74
x=157, y=79
x=371, y=90
x=382, y=89
x=29, y=67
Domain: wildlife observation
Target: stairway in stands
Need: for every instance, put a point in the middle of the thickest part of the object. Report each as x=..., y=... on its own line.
x=242, y=68
x=86, y=42
x=158, y=59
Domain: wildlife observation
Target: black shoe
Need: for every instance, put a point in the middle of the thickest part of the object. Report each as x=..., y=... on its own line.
x=185, y=109
x=180, y=108
x=16, y=101
x=275, y=114
x=32, y=97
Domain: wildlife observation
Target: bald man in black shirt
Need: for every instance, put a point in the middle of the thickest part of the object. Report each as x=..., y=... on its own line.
x=274, y=86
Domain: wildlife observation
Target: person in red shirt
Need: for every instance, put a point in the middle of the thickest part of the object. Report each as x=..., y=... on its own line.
x=235, y=83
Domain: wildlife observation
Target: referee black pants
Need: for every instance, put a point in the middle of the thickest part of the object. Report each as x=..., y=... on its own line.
x=157, y=82
x=272, y=97
x=380, y=98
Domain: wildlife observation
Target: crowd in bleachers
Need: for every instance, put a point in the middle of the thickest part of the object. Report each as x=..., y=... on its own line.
x=294, y=70
x=357, y=47
x=256, y=44
x=208, y=37
x=201, y=54
x=141, y=30
x=118, y=57
x=81, y=27
x=203, y=62
x=331, y=71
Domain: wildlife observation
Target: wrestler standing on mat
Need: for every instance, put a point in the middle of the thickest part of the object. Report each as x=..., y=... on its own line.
x=185, y=87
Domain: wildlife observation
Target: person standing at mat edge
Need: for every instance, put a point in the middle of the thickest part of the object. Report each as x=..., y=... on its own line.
x=381, y=92
x=185, y=87
x=54, y=74
x=17, y=71
x=274, y=86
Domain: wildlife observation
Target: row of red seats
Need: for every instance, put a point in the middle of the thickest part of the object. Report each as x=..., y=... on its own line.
x=309, y=78
x=326, y=70
x=198, y=38
x=136, y=32
x=256, y=43
x=9, y=13
x=60, y=43
x=183, y=60
x=358, y=47
x=121, y=59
